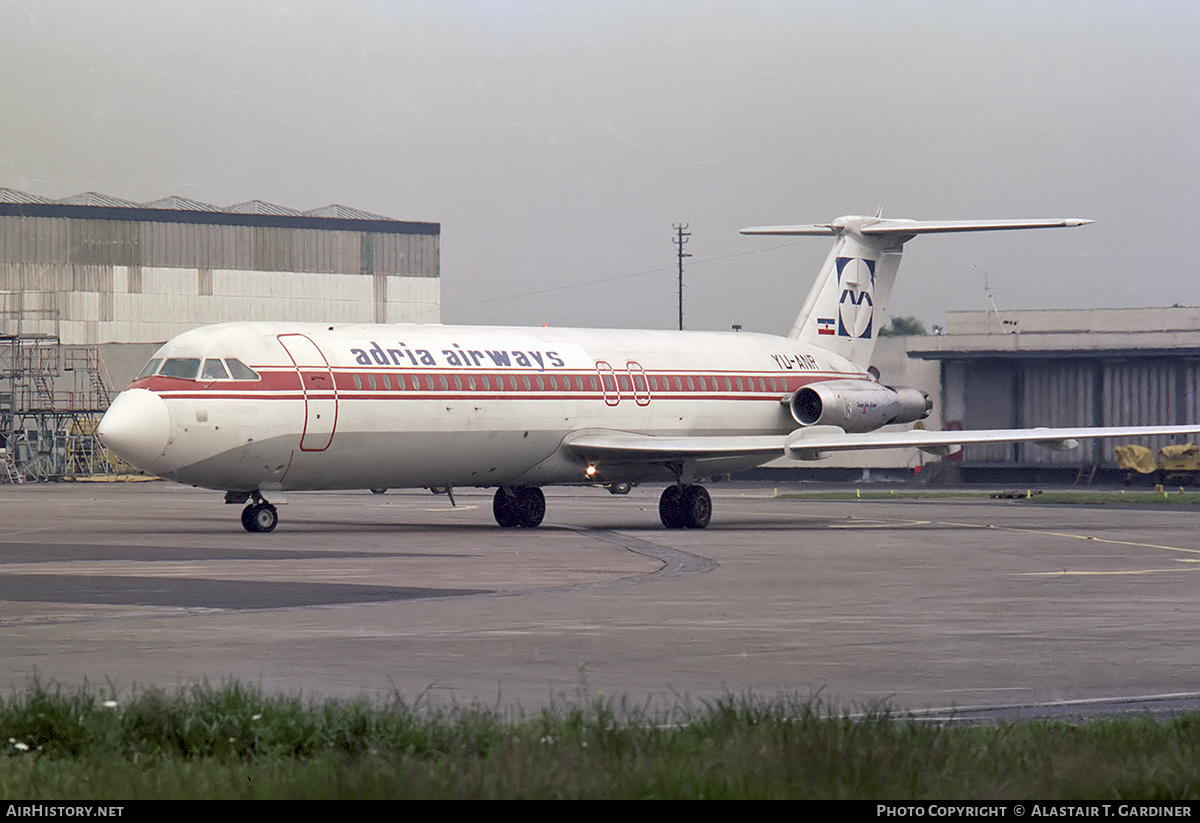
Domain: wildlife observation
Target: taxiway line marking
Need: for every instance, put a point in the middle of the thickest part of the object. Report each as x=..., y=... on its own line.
x=28, y=531
x=1074, y=536
x=1065, y=573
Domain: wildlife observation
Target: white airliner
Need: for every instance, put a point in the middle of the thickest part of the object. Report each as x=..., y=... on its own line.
x=257, y=409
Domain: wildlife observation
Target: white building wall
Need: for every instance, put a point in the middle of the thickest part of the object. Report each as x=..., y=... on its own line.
x=414, y=299
x=169, y=302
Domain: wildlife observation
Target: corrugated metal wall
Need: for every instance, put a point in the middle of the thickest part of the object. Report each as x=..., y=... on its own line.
x=1057, y=393
x=990, y=390
x=52, y=240
x=1149, y=391
x=1076, y=391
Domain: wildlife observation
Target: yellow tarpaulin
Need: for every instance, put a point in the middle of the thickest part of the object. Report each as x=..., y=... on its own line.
x=1135, y=459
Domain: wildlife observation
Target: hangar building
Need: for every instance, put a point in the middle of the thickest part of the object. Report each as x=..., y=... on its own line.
x=1098, y=367
x=91, y=284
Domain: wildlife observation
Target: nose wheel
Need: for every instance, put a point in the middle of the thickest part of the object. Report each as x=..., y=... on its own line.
x=685, y=507
x=259, y=517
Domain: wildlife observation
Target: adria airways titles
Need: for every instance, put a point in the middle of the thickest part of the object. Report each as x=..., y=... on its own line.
x=257, y=409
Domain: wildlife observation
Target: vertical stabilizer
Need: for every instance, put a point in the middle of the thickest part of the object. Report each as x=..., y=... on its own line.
x=845, y=308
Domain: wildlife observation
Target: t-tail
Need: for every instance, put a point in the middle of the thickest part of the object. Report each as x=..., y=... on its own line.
x=845, y=308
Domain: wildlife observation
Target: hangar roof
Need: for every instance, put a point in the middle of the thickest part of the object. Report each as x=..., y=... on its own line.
x=95, y=206
x=1060, y=333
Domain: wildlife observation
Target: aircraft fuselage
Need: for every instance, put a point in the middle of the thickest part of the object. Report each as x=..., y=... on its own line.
x=397, y=406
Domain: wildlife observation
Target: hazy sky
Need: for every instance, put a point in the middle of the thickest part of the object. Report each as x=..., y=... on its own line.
x=557, y=142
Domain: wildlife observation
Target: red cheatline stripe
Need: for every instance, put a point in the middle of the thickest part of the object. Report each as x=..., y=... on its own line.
x=281, y=384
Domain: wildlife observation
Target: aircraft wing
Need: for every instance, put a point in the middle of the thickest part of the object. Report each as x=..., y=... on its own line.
x=815, y=441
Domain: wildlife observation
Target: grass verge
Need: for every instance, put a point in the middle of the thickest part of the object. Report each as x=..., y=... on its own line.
x=235, y=742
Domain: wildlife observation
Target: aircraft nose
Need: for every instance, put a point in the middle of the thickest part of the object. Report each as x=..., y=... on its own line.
x=136, y=427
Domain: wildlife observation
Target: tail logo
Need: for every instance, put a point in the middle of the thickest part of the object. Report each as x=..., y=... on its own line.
x=856, y=309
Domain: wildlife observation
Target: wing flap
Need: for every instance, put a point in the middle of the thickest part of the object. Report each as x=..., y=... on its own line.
x=602, y=444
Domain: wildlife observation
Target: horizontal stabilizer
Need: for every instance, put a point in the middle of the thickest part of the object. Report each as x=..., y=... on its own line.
x=845, y=307
x=812, y=231
x=907, y=228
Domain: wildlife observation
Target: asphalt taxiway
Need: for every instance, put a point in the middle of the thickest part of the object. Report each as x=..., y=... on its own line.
x=922, y=605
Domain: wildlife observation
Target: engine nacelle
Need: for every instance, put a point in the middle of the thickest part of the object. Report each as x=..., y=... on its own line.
x=858, y=405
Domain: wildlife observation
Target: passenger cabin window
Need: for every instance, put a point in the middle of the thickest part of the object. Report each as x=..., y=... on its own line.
x=214, y=370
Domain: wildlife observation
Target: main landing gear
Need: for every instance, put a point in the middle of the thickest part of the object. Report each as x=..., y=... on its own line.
x=685, y=507
x=523, y=506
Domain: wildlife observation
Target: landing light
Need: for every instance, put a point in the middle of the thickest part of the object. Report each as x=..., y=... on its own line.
x=590, y=471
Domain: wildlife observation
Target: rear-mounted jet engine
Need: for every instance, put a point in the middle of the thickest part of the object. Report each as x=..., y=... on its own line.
x=858, y=405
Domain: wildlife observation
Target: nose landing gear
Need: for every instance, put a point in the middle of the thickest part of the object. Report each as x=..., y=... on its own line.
x=259, y=515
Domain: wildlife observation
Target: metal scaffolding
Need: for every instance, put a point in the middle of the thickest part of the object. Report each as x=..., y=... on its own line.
x=51, y=399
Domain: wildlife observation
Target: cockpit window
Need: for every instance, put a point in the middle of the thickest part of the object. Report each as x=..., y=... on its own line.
x=214, y=370
x=188, y=368
x=150, y=369
x=185, y=367
x=240, y=370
